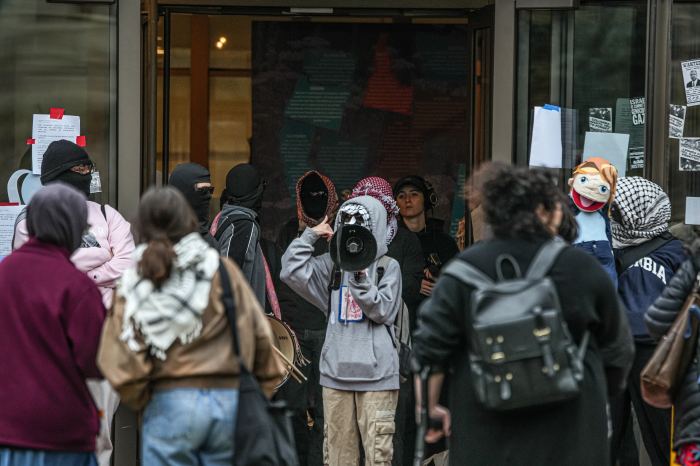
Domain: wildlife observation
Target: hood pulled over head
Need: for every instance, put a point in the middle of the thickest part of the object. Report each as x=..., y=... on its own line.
x=57, y=214
x=368, y=212
x=380, y=189
x=316, y=198
x=244, y=187
x=640, y=211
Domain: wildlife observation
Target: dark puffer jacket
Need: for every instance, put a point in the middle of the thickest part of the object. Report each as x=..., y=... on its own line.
x=659, y=319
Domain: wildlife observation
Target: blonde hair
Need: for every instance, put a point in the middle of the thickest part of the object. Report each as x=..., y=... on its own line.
x=602, y=167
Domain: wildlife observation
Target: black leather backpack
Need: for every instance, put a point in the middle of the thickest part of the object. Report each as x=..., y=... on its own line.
x=520, y=349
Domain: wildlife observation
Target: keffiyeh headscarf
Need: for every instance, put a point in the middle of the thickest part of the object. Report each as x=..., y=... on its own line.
x=173, y=312
x=380, y=189
x=640, y=211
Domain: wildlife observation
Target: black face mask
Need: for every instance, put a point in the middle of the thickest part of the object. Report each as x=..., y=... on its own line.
x=199, y=200
x=78, y=181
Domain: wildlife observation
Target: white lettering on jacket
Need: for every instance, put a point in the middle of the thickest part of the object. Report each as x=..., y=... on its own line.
x=649, y=265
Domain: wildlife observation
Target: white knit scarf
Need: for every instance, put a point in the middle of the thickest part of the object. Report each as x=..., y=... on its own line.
x=173, y=312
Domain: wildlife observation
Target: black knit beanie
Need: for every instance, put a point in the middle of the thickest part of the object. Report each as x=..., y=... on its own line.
x=61, y=156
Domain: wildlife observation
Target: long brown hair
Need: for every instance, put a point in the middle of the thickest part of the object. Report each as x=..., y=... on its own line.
x=164, y=218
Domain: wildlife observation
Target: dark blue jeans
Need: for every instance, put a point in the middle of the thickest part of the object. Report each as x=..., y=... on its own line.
x=602, y=251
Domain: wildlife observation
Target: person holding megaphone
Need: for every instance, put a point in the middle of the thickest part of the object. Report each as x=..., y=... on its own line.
x=360, y=290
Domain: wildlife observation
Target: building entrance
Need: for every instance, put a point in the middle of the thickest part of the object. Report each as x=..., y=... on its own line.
x=351, y=95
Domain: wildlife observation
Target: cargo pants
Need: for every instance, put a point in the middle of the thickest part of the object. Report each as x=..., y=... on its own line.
x=354, y=417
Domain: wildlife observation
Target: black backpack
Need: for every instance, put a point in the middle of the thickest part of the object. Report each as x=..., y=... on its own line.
x=520, y=349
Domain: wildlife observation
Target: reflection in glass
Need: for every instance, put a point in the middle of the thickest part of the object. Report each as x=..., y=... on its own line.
x=54, y=55
x=589, y=58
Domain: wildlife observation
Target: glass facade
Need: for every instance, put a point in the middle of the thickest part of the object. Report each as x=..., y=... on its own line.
x=591, y=62
x=55, y=55
x=683, y=179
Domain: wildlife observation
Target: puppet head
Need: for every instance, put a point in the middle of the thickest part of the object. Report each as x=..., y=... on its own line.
x=593, y=184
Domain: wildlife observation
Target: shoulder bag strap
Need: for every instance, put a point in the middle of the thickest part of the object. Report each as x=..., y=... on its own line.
x=467, y=274
x=544, y=259
x=626, y=257
x=230, y=306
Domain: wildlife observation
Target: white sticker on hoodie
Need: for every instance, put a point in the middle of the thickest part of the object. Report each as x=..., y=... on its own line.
x=348, y=309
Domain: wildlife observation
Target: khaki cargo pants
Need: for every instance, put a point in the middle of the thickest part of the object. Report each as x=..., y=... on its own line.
x=351, y=416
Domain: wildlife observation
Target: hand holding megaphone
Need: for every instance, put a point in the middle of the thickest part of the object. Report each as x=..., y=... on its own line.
x=323, y=229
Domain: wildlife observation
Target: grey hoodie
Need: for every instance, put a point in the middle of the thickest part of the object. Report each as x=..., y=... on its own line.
x=357, y=355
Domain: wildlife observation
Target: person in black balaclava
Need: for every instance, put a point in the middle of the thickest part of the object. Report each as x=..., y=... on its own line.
x=316, y=198
x=194, y=182
x=244, y=187
x=68, y=162
x=236, y=229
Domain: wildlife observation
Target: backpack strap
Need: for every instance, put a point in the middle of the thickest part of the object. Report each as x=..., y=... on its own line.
x=544, y=259
x=223, y=226
x=467, y=274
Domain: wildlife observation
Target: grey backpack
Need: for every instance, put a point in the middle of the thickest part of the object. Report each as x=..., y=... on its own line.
x=520, y=350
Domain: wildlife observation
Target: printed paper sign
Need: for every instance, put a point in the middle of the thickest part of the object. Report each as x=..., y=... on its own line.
x=8, y=215
x=689, y=154
x=600, y=119
x=691, y=80
x=638, y=109
x=546, y=148
x=676, y=120
x=692, y=210
x=46, y=130
x=636, y=158
x=610, y=146
x=349, y=310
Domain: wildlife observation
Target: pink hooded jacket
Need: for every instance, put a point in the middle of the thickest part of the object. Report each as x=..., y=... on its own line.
x=111, y=255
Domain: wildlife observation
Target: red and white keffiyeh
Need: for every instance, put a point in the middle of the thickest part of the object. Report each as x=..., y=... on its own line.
x=380, y=189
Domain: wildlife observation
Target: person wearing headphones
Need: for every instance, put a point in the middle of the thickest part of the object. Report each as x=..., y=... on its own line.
x=415, y=196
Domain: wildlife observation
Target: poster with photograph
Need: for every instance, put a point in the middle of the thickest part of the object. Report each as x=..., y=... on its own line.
x=638, y=109
x=689, y=154
x=691, y=81
x=600, y=119
x=676, y=120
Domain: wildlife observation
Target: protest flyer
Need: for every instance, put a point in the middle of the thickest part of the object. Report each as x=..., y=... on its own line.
x=8, y=215
x=600, y=119
x=689, y=154
x=638, y=109
x=691, y=80
x=636, y=158
x=676, y=120
x=49, y=128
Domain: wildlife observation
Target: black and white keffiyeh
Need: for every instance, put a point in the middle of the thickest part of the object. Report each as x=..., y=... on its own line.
x=351, y=209
x=173, y=312
x=640, y=211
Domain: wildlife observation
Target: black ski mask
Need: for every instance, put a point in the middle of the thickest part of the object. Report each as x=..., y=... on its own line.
x=60, y=157
x=184, y=178
x=78, y=181
x=244, y=187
